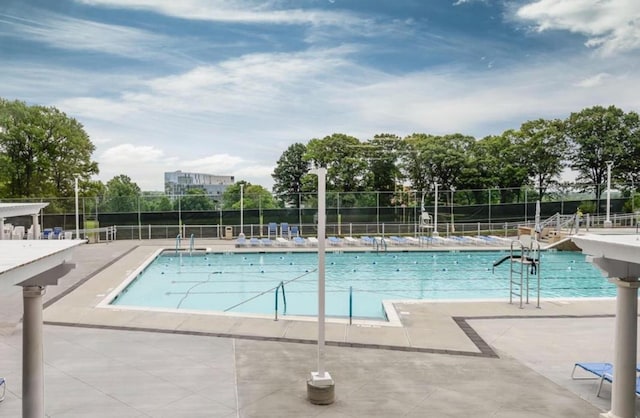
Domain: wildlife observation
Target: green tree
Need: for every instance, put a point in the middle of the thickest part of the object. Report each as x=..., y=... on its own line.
x=597, y=135
x=437, y=159
x=196, y=199
x=545, y=145
x=290, y=169
x=155, y=202
x=382, y=153
x=44, y=151
x=121, y=195
x=497, y=161
x=343, y=157
x=253, y=197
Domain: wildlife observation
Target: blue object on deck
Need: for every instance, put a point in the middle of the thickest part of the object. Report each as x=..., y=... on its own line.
x=272, y=229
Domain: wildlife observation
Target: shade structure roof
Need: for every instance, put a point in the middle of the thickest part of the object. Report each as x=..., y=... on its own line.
x=615, y=255
x=23, y=259
x=9, y=210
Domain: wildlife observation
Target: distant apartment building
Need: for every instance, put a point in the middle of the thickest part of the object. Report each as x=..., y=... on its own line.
x=179, y=182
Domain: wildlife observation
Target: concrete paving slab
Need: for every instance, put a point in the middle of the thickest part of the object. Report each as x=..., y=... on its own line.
x=242, y=377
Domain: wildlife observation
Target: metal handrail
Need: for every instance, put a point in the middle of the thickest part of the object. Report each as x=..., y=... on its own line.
x=178, y=242
x=192, y=243
x=350, y=305
x=284, y=300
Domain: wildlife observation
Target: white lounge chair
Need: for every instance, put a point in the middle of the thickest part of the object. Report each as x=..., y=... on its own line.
x=282, y=242
x=335, y=241
x=18, y=232
x=350, y=241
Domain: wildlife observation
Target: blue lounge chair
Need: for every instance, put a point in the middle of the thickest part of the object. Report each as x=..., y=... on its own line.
x=299, y=241
x=285, y=232
x=272, y=229
x=241, y=242
x=367, y=240
x=255, y=242
x=608, y=377
x=57, y=231
x=266, y=242
x=601, y=371
x=294, y=231
x=596, y=369
x=334, y=241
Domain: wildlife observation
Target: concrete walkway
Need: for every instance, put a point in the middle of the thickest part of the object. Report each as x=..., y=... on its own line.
x=486, y=359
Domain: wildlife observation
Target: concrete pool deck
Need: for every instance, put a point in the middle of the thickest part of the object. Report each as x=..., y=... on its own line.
x=447, y=359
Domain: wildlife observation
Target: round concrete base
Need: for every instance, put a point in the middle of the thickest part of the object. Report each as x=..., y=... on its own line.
x=321, y=395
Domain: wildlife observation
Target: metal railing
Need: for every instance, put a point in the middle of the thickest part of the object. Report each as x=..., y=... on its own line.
x=284, y=300
x=558, y=222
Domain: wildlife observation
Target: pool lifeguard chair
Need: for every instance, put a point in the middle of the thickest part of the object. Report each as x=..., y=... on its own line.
x=426, y=221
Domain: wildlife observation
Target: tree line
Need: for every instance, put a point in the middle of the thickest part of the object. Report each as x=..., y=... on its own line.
x=533, y=156
x=43, y=151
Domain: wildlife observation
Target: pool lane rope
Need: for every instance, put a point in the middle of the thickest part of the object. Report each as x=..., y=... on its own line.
x=196, y=285
x=269, y=290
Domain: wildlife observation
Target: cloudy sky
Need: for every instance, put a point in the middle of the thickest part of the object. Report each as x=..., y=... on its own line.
x=225, y=86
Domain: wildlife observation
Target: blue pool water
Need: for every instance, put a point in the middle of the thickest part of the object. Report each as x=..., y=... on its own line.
x=246, y=282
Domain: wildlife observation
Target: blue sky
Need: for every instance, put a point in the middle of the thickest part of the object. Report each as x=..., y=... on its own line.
x=225, y=86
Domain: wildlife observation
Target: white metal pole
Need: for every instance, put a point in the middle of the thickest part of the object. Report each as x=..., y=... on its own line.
x=32, y=353
x=607, y=222
x=322, y=222
x=453, y=225
x=241, y=210
x=435, y=213
x=77, y=214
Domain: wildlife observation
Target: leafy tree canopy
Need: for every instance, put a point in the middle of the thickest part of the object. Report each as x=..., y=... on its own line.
x=253, y=197
x=42, y=151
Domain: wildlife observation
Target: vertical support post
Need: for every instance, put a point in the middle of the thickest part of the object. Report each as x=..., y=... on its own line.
x=35, y=227
x=139, y=221
x=241, y=234
x=435, y=211
x=77, y=213
x=321, y=387
x=607, y=222
x=623, y=396
x=322, y=222
x=32, y=353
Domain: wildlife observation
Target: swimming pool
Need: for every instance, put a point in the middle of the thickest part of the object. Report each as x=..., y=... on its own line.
x=246, y=282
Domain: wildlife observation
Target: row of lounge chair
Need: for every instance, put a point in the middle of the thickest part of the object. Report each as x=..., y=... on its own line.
x=373, y=241
x=601, y=371
x=19, y=232
x=278, y=241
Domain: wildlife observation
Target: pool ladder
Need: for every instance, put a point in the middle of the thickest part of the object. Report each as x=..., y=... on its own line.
x=192, y=243
x=520, y=268
x=380, y=244
x=178, y=242
x=284, y=300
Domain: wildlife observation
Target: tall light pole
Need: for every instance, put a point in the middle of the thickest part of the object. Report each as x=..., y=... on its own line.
x=607, y=222
x=77, y=213
x=321, y=387
x=241, y=234
x=435, y=212
x=489, y=208
x=453, y=226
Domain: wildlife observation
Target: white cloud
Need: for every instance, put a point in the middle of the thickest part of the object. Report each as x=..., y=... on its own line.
x=77, y=34
x=232, y=11
x=237, y=117
x=593, y=81
x=611, y=26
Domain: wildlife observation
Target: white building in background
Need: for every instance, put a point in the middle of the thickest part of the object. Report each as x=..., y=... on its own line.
x=179, y=182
